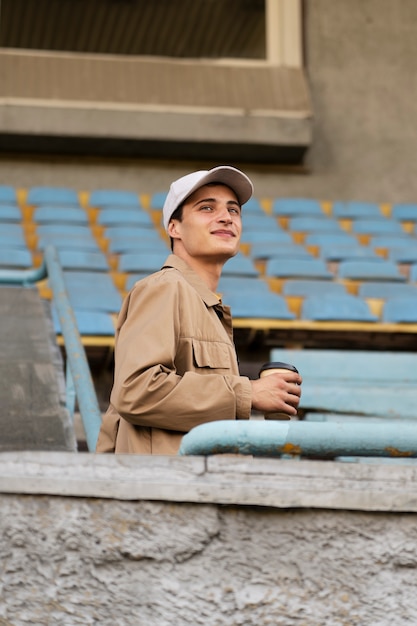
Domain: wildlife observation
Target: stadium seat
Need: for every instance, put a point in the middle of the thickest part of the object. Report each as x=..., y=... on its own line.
x=369, y=270
x=92, y=291
x=341, y=252
x=14, y=238
x=336, y=307
x=8, y=194
x=259, y=221
x=413, y=273
x=248, y=285
x=311, y=286
x=265, y=305
x=100, y=198
x=132, y=262
x=404, y=212
x=158, y=199
x=400, y=310
x=14, y=257
x=239, y=265
x=253, y=206
x=377, y=227
x=123, y=217
x=128, y=232
x=10, y=213
x=356, y=209
x=391, y=241
x=330, y=238
x=63, y=196
x=93, y=323
x=314, y=224
x=68, y=242
x=282, y=250
x=386, y=289
x=77, y=259
x=63, y=229
x=266, y=236
x=55, y=214
x=404, y=254
x=136, y=244
x=301, y=268
x=288, y=207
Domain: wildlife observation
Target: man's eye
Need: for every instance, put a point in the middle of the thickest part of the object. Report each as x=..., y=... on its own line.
x=206, y=207
x=233, y=210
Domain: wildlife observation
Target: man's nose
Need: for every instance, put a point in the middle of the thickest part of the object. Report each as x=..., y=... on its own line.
x=224, y=215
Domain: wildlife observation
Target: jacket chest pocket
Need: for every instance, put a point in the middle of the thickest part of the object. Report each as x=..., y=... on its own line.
x=211, y=354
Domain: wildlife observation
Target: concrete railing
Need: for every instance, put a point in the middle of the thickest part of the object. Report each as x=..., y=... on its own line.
x=79, y=383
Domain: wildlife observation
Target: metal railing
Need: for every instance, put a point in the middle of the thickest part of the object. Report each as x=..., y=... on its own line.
x=79, y=383
x=323, y=440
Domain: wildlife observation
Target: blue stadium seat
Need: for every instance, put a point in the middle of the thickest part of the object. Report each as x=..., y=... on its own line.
x=342, y=252
x=117, y=233
x=93, y=323
x=63, y=229
x=136, y=244
x=158, y=199
x=287, y=207
x=405, y=254
x=400, y=310
x=55, y=214
x=77, y=259
x=265, y=305
x=336, y=307
x=239, y=265
x=254, y=206
x=283, y=250
x=122, y=217
x=301, y=268
x=386, y=289
x=404, y=212
x=370, y=270
x=12, y=239
x=100, y=198
x=68, y=242
x=413, y=273
x=391, y=241
x=357, y=209
x=259, y=221
x=92, y=291
x=266, y=236
x=244, y=284
x=52, y=195
x=8, y=194
x=315, y=224
x=10, y=213
x=340, y=237
x=15, y=257
x=143, y=262
x=377, y=227
x=311, y=286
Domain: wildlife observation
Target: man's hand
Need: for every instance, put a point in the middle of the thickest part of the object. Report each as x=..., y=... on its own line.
x=277, y=393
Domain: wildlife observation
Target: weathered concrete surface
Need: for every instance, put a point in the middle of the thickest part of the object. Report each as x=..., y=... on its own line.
x=33, y=415
x=133, y=562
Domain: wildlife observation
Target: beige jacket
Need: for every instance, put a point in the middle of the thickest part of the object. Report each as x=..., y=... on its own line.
x=175, y=364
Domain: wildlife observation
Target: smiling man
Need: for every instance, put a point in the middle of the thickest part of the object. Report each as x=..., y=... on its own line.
x=175, y=360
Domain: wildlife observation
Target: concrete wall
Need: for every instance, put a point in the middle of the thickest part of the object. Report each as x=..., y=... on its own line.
x=136, y=541
x=361, y=65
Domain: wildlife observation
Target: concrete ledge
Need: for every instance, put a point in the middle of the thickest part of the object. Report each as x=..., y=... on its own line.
x=221, y=479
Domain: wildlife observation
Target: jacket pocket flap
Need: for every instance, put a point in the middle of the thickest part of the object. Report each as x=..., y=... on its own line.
x=213, y=354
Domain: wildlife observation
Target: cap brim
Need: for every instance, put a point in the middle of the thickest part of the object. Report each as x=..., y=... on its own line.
x=230, y=176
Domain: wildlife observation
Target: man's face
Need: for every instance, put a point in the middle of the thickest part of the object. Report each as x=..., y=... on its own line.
x=211, y=224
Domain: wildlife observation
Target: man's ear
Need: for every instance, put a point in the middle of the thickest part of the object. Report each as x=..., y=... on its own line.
x=173, y=231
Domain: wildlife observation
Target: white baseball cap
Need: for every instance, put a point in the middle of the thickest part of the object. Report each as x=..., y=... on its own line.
x=183, y=187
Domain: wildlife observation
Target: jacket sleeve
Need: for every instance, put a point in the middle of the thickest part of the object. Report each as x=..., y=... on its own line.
x=148, y=390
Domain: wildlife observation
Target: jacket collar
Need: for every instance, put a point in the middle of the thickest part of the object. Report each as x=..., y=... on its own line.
x=194, y=279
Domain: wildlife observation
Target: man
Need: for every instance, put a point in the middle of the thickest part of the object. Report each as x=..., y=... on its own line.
x=175, y=361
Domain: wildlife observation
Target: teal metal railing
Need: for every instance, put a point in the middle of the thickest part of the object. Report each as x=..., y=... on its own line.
x=79, y=383
x=323, y=440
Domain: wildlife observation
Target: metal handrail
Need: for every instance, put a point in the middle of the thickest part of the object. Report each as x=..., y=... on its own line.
x=323, y=440
x=79, y=379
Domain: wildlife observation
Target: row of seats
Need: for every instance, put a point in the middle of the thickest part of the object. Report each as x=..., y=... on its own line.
x=300, y=259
